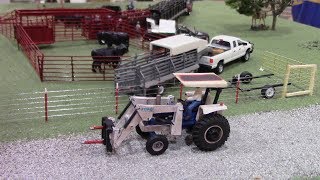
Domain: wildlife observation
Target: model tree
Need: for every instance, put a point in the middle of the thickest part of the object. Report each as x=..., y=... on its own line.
x=257, y=8
x=277, y=7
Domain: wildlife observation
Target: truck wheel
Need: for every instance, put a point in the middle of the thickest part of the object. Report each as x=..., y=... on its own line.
x=246, y=77
x=220, y=67
x=268, y=91
x=157, y=144
x=161, y=89
x=246, y=57
x=211, y=132
x=144, y=135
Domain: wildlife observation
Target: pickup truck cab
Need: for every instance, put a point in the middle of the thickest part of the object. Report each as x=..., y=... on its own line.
x=223, y=49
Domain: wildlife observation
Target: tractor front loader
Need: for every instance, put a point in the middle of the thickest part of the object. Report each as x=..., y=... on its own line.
x=155, y=117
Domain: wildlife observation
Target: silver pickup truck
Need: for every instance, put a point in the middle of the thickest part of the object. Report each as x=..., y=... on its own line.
x=223, y=49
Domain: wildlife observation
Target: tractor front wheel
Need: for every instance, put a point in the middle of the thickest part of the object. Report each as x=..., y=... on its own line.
x=211, y=132
x=157, y=144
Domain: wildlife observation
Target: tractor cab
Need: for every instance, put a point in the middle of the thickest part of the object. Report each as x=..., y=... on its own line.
x=207, y=82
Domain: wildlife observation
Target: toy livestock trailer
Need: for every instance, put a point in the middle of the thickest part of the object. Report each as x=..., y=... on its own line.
x=155, y=117
x=174, y=54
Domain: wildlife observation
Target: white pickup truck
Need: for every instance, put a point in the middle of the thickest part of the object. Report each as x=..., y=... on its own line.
x=223, y=49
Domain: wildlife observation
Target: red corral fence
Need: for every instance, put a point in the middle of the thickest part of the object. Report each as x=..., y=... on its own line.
x=30, y=49
x=76, y=68
x=31, y=28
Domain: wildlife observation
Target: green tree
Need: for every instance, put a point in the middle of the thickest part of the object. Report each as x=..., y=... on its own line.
x=249, y=7
x=277, y=7
x=246, y=7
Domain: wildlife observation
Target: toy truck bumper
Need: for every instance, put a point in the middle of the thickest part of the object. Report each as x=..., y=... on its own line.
x=252, y=47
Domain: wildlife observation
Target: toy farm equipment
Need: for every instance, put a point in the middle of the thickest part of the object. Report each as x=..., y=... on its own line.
x=174, y=54
x=155, y=117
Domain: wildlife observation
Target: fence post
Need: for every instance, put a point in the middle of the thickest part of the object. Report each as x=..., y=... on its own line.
x=104, y=71
x=181, y=89
x=286, y=81
x=237, y=89
x=40, y=67
x=72, y=72
x=312, y=79
x=46, y=104
x=72, y=32
x=117, y=97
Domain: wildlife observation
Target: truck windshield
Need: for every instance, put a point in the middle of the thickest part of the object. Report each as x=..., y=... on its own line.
x=220, y=44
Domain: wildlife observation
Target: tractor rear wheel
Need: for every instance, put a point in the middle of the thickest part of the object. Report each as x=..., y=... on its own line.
x=157, y=144
x=211, y=132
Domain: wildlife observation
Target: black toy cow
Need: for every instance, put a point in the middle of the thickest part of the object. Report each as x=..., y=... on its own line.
x=110, y=37
x=114, y=53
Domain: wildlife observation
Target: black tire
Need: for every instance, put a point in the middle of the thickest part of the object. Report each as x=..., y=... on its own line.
x=142, y=134
x=246, y=56
x=188, y=140
x=161, y=89
x=211, y=132
x=101, y=42
x=157, y=145
x=268, y=91
x=200, y=70
x=246, y=77
x=220, y=67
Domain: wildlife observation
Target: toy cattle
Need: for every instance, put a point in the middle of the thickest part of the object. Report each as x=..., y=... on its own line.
x=110, y=38
x=109, y=56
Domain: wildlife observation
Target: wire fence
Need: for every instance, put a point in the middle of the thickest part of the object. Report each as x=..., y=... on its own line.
x=99, y=102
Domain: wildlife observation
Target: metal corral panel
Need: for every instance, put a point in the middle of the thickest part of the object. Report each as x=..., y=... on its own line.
x=155, y=71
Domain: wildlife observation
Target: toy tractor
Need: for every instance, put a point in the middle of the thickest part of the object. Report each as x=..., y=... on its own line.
x=155, y=117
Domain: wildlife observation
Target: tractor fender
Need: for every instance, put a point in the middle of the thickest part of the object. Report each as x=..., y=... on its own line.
x=211, y=108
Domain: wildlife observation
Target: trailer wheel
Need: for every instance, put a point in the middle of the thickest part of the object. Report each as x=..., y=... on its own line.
x=211, y=132
x=220, y=67
x=246, y=56
x=142, y=134
x=246, y=77
x=268, y=91
x=157, y=144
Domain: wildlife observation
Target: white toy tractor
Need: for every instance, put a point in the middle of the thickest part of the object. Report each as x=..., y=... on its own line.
x=155, y=117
